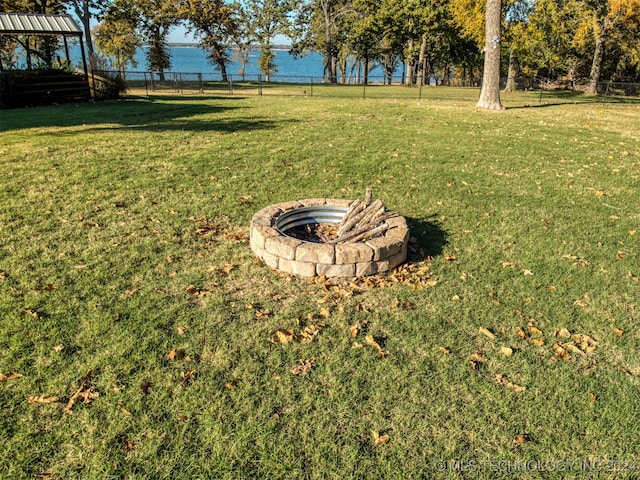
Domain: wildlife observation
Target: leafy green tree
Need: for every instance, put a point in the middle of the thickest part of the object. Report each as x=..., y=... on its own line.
x=214, y=22
x=117, y=39
x=86, y=11
x=267, y=18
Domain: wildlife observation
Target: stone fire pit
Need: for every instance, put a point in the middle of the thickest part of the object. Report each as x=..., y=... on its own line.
x=273, y=239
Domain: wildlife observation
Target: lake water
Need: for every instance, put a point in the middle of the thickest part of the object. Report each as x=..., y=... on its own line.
x=194, y=60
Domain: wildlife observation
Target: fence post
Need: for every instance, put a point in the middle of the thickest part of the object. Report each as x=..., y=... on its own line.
x=364, y=89
x=200, y=85
x=420, y=91
x=146, y=85
x=311, y=89
x=260, y=84
x=153, y=82
x=230, y=84
x=606, y=92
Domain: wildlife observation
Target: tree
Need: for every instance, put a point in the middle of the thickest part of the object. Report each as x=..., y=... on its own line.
x=607, y=16
x=490, y=92
x=213, y=21
x=87, y=10
x=117, y=39
x=155, y=18
x=267, y=18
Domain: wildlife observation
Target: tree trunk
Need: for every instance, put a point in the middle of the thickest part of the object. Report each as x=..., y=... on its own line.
x=596, y=66
x=512, y=72
x=410, y=64
x=331, y=70
x=490, y=92
x=421, y=62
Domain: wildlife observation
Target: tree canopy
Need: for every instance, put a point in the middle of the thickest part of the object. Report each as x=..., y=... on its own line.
x=433, y=39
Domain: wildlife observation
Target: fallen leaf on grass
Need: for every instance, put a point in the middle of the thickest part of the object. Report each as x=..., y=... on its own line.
x=618, y=331
x=369, y=340
x=519, y=439
x=304, y=366
x=488, y=333
x=176, y=354
x=263, y=313
x=58, y=348
x=561, y=352
x=309, y=333
x=477, y=357
x=186, y=377
x=506, y=351
x=200, y=292
x=41, y=400
x=379, y=439
x=85, y=393
x=12, y=376
x=283, y=336
x=535, y=330
x=26, y=312
x=446, y=351
x=355, y=329
x=502, y=379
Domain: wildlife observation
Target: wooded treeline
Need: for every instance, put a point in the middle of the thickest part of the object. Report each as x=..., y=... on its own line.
x=569, y=39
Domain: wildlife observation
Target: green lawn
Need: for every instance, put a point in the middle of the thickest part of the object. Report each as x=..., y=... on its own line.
x=135, y=322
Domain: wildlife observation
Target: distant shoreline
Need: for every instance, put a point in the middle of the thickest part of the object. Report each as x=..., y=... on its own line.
x=197, y=45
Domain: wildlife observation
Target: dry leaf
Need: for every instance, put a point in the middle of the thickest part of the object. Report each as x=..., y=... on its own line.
x=573, y=348
x=12, y=376
x=171, y=356
x=527, y=272
x=512, y=386
x=444, y=350
x=563, y=333
x=186, y=377
x=618, y=331
x=379, y=439
x=226, y=268
x=519, y=439
x=508, y=264
x=181, y=330
x=521, y=334
x=535, y=330
x=538, y=342
x=325, y=312
x=310, y=333
x=561, y=352
x=304, y=366
x=263, y=313
x=283, y=336
x=369, y=340
x=85, y=393
x=41, y=400
x=355, y=329
x=506, y=351
x=488, y=333
x=58, y=348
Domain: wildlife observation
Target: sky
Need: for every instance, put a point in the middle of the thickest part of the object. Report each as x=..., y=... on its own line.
x=179, y=35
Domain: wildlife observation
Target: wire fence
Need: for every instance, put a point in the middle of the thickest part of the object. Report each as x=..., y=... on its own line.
x=538, y=90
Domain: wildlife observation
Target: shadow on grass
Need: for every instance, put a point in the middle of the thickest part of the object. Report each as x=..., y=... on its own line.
x=430, y=238
x=568, y=97
x=157, y=114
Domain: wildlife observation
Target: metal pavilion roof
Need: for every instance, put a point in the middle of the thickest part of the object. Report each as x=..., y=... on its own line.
x=15, y=23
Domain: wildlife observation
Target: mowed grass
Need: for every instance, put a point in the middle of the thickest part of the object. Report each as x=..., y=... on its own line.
x=125, y=271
